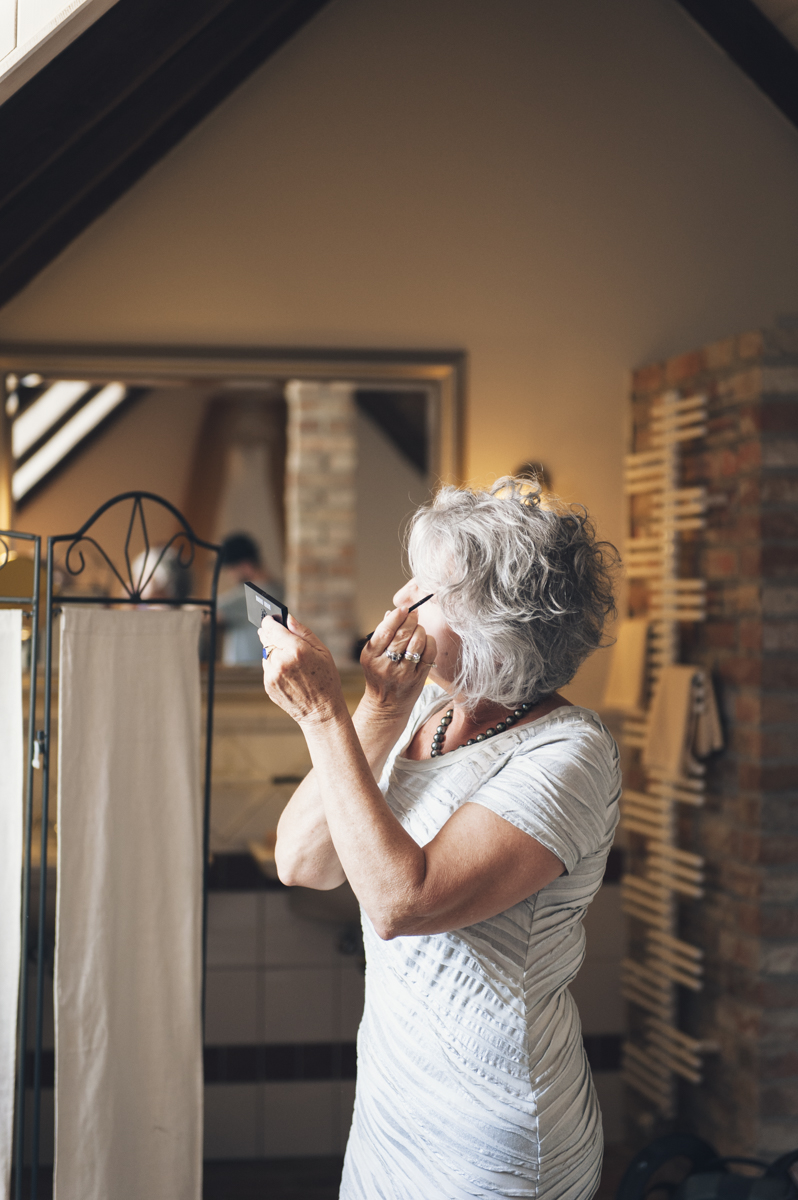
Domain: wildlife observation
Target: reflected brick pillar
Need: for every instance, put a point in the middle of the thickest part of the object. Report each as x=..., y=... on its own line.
x=320, y=511
x=748, y=830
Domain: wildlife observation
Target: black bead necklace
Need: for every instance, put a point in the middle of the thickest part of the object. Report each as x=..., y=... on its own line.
x=440, y=733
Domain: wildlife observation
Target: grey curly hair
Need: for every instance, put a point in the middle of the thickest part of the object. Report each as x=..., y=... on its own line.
x=521, y=580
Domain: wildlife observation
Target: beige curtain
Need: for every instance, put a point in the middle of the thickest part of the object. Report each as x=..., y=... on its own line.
x=127, y=988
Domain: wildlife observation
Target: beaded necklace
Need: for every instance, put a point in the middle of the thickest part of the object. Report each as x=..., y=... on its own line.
x=440, y=733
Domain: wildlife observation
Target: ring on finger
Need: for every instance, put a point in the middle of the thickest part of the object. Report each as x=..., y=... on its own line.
x=267, y=651
x=428, y=664
x=395, y=656
x=412, y=656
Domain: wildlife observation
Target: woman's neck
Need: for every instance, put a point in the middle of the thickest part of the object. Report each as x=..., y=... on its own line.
x=466, y=724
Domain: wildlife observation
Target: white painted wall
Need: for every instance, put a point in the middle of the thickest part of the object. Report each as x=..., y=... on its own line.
x=565, y=189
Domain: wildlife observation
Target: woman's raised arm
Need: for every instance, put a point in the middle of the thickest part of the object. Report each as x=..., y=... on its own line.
x=305, y=854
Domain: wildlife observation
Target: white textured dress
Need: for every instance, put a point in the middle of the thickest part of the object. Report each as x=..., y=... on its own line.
x=472, y=1078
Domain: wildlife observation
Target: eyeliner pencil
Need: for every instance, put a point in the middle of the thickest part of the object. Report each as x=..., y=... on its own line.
x=417, y=604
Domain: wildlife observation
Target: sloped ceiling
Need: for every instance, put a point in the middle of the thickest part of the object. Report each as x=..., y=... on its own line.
x=78, y=134
x=784, y=15
x=760, y=36
x=88, y=125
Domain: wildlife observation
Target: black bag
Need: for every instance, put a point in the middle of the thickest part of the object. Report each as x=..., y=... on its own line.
x=709, y=1177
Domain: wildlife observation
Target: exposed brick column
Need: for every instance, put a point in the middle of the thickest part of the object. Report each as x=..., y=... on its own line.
x=320, y=511
x=748, y=830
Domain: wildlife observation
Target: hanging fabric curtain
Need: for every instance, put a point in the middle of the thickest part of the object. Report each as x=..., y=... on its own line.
x=11, y=771
x=129, y=909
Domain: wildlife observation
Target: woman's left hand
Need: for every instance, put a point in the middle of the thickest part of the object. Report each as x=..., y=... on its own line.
x=299, y=673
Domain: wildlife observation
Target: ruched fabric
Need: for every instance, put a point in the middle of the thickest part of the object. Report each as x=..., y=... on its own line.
x=472, y=1078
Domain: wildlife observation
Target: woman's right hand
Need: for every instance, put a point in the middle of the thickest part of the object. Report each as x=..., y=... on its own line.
x=392, y=687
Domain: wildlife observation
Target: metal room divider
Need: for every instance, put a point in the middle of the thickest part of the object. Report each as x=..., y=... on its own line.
x=132, y=582
x=8, y=536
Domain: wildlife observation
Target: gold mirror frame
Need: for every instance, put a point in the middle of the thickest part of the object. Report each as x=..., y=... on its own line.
x=442, y=373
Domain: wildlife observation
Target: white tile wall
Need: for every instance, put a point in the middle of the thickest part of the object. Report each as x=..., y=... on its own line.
x=277, y=977
x=274, y=976
x=300, y=1118
x=346, y=1105
x=234, y=920
x=233, y=1014
x=301, y=1004
x=289, y=940
x=277, y=1120
x=353, y=986
x=233, y=1120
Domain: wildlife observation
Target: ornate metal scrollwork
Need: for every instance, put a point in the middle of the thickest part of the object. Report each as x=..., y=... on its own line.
x=134, y=579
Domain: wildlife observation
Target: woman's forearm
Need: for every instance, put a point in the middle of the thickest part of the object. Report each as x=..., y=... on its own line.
x=385, y=867
x=305, y=853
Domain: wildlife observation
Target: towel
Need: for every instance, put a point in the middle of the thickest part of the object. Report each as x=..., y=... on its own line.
x=128, y=1048
x=11, y=772
x=683, y=723
x=626, y=682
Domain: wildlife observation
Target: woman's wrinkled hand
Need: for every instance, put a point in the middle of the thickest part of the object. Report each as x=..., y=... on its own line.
x=394, y=684
x=299, y=673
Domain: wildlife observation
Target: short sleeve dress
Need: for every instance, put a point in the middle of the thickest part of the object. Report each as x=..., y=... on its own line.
x=472, y=1078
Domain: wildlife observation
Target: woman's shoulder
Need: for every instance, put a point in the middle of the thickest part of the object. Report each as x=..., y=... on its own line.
x=560, y=783
x=568, y=730
x=569, y=748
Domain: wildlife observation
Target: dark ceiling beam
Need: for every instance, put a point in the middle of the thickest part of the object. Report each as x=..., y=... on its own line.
x=115, y=101
x=754, y=44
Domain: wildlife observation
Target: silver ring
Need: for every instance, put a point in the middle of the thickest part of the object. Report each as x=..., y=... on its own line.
x=267, y=651
x=395, y=656
x=411, y=656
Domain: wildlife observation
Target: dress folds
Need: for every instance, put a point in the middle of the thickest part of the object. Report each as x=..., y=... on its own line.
x=472, y=1076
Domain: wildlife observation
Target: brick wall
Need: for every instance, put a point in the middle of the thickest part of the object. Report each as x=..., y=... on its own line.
x=320, y=511
x=748, y=829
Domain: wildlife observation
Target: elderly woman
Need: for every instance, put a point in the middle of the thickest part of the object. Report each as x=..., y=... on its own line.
x=473, y=818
